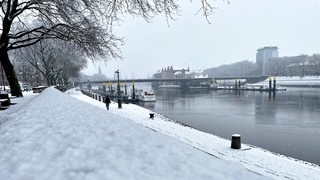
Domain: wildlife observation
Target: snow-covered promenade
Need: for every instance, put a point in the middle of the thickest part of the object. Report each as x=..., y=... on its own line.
x=55, y=136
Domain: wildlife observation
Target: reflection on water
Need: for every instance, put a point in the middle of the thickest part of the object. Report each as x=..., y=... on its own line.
x=265, y=110
x=287, y=122
x=148, y=105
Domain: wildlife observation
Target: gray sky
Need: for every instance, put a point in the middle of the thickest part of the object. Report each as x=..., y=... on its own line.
x=237, y=30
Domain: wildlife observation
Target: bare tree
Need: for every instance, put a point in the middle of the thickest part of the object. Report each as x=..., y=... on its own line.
x=25, y=71
x=86, y=23
x=315, y=61
x=55, y=60
x=276, y=66
x=242, y=68
x=302, y=64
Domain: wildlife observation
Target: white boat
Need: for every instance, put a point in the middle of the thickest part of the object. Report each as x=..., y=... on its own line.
x=145, y=96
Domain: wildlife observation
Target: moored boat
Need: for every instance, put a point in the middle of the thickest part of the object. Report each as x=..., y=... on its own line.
x=145, y=96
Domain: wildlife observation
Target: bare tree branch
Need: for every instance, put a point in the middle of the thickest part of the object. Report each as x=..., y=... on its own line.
x=88, y=24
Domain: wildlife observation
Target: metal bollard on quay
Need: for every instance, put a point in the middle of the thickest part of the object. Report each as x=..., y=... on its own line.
x=236, y=141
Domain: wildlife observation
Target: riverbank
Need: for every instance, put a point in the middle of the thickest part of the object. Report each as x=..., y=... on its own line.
x=295, y=81
x=252, y=158
x=54, y=136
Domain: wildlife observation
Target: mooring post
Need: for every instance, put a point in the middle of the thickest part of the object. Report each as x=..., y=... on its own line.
x=274, y=84
x=119, y=103
x=133, y=91
x=236, y=141
x=270, y=82
x=104, y=88
x=151, y=115
x=125, y=88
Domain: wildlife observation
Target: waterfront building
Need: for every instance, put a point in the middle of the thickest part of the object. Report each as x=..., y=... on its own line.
x=170, y=73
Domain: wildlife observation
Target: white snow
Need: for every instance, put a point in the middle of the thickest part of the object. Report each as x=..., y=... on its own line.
x=200, y=76
x=55, y=136
x=295, y=81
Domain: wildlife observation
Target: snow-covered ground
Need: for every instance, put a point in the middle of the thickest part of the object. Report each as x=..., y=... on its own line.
x=312, y=81
x=55, y=136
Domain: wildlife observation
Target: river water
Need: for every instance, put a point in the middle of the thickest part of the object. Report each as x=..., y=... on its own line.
x=287, y=122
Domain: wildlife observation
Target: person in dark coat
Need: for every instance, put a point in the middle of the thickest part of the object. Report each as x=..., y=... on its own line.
x=107, y=101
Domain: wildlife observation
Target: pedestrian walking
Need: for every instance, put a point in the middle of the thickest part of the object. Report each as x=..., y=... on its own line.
x=107, y=101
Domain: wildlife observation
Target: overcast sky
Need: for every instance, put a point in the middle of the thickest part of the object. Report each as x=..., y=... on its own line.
x=237, y=30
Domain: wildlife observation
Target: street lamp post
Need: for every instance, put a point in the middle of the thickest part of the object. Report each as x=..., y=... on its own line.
x=118, y=90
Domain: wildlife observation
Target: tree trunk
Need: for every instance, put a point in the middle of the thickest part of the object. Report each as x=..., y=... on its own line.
x=10, y=73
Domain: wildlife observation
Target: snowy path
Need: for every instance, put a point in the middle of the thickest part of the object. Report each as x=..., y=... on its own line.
x=55, y=136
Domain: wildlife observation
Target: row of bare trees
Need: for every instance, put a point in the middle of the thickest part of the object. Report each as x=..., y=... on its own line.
x=294, y=66
x=302, y=65
x=87, y=24
x=242, y=68
x=55, y=60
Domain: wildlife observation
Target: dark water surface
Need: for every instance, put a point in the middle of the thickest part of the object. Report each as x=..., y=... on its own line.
x=288, y=123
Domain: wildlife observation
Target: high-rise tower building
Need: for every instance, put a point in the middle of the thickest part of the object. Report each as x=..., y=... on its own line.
x=264, y=54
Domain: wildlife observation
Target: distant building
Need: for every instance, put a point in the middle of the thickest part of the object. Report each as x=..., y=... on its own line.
x=95, y=77
x=170, y=73
x=263, y=55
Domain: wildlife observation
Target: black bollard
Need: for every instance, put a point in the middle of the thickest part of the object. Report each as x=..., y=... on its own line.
x=236, y=141
x=119, y=103
x=151, y=115
x=274, y=84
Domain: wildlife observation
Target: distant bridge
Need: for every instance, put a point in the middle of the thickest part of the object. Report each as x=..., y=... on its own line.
x=249, y=79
